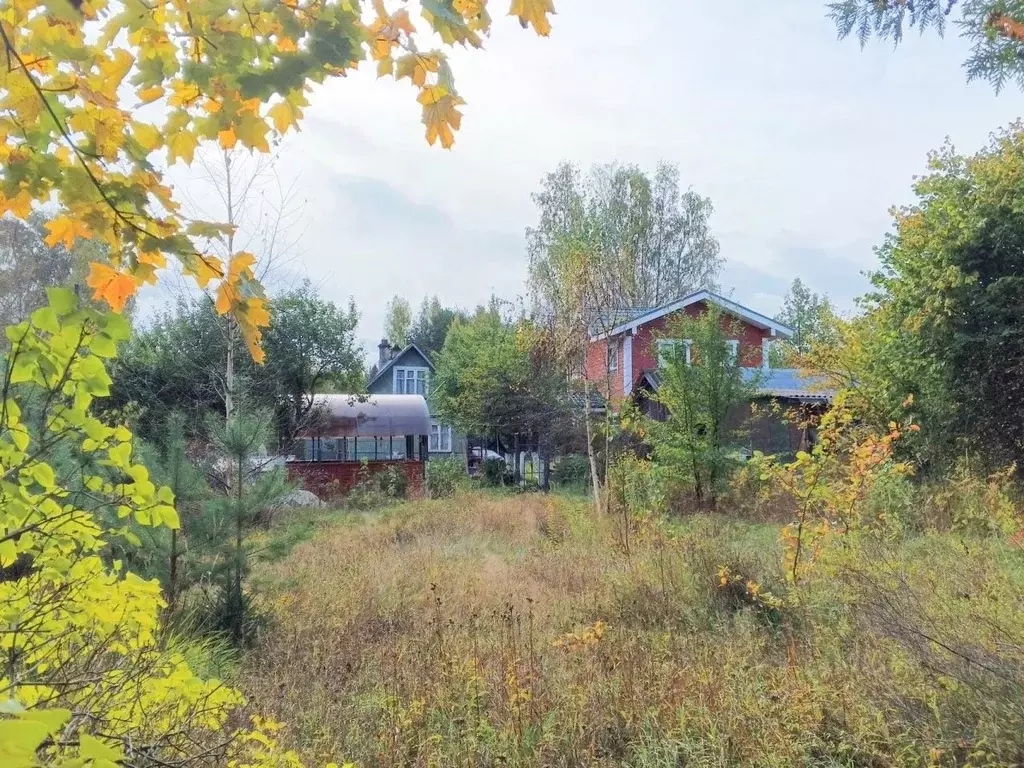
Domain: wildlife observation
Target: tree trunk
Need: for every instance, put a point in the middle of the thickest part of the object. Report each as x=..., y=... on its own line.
x=594, y=481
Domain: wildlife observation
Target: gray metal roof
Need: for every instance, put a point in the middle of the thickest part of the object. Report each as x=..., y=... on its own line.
x=368, y=416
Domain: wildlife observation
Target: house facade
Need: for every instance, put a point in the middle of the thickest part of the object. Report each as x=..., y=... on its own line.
x=408, y=371
x=622, y=362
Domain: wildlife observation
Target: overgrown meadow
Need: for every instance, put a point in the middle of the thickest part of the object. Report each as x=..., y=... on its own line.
x=492, y=629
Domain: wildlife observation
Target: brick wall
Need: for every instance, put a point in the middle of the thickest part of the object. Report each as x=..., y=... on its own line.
x=332, y=479
x=645, y=351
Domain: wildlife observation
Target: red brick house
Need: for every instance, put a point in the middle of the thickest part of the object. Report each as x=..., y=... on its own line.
x=622, y=361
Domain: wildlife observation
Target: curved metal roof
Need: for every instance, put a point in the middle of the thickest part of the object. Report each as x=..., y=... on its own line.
x=368, y=416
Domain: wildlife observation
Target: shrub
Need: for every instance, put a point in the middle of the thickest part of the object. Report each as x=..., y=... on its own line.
x=445, y=477
x=497, y=473
x=571, y=471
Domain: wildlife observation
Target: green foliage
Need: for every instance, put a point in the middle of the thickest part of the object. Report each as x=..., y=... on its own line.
x=397, y=321
x=571, y=471
x=86, y=668
x=178, y=362
x=376, y=489
x=944, y=324
x=446, y=477
x=499, y=378
x=431, y=326
x=497, y=473
x=703, y=389
x=645, y=241
x=995, y=29
x=810, y=316
x=29, y=265
x=248, y=490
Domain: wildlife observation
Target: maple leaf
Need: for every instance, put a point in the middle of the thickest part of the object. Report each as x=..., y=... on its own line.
x=64, y=229
x=284, y=116
x=533, y=12
x=227, y=138
x=147, y=135
x=415, y=66
x=440, y=114
x=151, y=94
x=110, y=286
x=182, y=145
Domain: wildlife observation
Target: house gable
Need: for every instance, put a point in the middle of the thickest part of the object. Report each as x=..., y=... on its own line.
x=632, y=345
x=383, y=383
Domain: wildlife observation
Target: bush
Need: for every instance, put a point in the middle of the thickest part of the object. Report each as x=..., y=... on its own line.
x=497, y=473
x=571, y=471
x=445, y=477
x=377, y=489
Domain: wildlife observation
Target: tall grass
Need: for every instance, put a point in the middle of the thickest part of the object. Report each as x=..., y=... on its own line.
x=519, y=631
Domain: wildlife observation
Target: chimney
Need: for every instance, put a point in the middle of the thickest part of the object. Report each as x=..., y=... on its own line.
x=383, y=352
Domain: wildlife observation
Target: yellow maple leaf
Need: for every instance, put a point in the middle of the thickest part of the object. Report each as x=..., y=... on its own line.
x=415, y=66
x=442, y=120
x=204, y=269
x=284, y=116
x=182, y=145
x=241, y=265
x=432, y=94
x=111, y=286
x=64, y=229
x=147, y=135
x=252, y=131
x=286, y=44
x=20, y=205
x=153, y=259
x=227, y=138
x=147, y=95
x=533, y=12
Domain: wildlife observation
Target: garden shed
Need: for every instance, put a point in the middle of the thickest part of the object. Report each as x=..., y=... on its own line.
x=350, y=438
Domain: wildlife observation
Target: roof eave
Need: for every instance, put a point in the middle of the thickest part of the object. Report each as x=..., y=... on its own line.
x=743, y=313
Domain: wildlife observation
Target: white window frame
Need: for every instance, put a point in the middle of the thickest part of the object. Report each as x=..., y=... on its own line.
x=613, y=357
x=402, y=373
x=734, y=350
x=664, y=344
x=443, y=435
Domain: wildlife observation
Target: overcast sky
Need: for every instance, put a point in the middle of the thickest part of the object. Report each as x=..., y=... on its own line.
x=802, y=142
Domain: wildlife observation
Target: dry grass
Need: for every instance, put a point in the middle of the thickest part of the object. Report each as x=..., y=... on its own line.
x=514, y=631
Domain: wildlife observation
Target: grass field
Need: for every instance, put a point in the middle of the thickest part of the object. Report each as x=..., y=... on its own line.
x=523, y=630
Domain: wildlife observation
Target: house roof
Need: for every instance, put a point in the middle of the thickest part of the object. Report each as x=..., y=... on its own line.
x=784, y=383
x=390, y=363
x=368, y=416
x=642, y=317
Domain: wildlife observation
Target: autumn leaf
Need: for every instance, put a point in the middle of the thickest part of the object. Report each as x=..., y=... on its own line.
x=227, y=138
x=110, y=286
x=151, y=94
x=147, y=135
x=182, y=145
x=284, y=116
x=415, y=66
x=533, y=12
x=64, y=230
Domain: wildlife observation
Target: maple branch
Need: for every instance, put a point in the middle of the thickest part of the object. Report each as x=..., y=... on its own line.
x=80, y=154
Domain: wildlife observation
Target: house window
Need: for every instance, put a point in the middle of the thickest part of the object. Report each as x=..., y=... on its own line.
x=411, y=381
x=440, y=437
x=613, y=357
x=666, y=346
x=734, y=350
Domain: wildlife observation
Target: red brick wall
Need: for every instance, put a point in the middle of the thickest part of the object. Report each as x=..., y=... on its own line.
x=331, y=479
x=645, y=350
x=607, y=383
